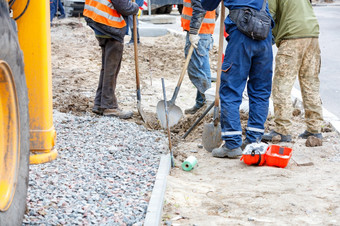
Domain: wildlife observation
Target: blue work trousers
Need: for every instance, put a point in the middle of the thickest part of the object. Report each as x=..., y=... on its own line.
x=246, y=61
x=199, y=66
x=53, y=9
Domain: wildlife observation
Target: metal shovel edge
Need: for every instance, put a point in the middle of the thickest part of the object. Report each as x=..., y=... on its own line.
x=211, y=136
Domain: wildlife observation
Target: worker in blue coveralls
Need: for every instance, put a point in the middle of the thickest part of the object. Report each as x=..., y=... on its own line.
x=246, y=61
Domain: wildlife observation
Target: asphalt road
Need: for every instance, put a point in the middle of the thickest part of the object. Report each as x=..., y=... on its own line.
x=329, y=21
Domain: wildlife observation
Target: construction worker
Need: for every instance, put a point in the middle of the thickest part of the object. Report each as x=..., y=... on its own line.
x=247, y=62
x=106, y=19
x=296, y=36
x=130, y=24
x=199, y=67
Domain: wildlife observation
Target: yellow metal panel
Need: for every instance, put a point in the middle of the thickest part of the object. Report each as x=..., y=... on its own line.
x=35, y=41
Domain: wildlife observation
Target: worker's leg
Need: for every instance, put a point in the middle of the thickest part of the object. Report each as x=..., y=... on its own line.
x=310, y=85
x=97, y=99
x=288, y=61
x=259, y=89
x=235, y=70
x=112, y=62
x=130, y=22
x=199, y=66
x=61, y=9
x=52, y=9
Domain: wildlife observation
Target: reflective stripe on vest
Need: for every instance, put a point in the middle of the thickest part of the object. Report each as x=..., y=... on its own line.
x=103, y=12
x=208, y=25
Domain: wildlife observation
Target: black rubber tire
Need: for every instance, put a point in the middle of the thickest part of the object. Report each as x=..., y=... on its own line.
x=168, y=9
x=180, y=8
x=161, y=10
x=12, y=54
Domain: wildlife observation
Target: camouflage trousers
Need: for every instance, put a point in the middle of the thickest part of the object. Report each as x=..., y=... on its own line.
x=297, y=57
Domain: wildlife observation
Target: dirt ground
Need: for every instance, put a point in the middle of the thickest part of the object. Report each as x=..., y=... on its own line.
x=216, y=191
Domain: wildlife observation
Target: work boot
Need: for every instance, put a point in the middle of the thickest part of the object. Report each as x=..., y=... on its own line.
x=62, y=16
x=307, y=134
x=97, y=110
x=226, y=152
x=193, y=110
x=117, y=112
x=272, y=134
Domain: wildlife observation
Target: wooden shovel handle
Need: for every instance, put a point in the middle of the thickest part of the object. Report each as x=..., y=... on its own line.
x=219, y=55
x=184, y=69
x=136, y=51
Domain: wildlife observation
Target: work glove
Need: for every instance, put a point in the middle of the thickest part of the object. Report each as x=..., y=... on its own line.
x=194, y=40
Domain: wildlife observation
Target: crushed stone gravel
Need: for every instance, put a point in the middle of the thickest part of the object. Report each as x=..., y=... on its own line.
x=104, y=174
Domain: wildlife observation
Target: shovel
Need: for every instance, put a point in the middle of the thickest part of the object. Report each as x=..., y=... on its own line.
x=175, y=112
x=167, y=124
x=139, y=104
x=211, y=136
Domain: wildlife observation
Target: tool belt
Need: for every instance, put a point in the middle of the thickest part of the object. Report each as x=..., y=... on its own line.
x=255, y=24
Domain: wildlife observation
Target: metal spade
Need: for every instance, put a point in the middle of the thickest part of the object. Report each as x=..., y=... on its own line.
x=211, y=136
x=175, y=112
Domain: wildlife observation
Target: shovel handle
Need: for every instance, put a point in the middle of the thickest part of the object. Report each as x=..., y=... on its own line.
x=219, y=64
x=136, y=54
x=198, y=120
x=167, y=122
x=219, y=55
x=184, y=69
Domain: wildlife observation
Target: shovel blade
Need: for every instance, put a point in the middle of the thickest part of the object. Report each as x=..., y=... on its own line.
x=174, y=114
x=141, y=112
x=211, y=136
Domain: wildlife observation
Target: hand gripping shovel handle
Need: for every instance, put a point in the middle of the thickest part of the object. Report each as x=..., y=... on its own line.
x=184, y=69
x=167, y=123
x=219, y=64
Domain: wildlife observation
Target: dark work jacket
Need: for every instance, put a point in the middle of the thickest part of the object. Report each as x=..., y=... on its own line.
x=234, y=4
x=125, y=8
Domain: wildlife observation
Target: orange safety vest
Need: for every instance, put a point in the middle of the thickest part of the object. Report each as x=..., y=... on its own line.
x=208, y=25
x=103, y=12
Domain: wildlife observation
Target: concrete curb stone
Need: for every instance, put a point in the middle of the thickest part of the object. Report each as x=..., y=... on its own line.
x=154, y=212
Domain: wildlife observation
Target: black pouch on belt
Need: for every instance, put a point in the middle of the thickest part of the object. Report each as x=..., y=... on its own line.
x=255, y=24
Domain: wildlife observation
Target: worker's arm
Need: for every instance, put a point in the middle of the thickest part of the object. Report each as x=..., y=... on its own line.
x=198, y=14
x=210, y=5
x=125, y=7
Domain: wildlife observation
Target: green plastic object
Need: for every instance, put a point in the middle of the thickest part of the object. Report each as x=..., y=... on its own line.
x=189, y=163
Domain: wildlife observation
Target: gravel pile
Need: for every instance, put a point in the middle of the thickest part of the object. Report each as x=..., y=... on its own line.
x=104, y=174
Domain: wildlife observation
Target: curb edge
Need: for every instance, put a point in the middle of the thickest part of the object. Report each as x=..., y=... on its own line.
x=155, y=207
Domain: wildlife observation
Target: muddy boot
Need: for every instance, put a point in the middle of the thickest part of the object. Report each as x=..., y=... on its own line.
x=226, y=152
x=118, y=113
x=276, y=136
x=307, y=134
x=97, y=110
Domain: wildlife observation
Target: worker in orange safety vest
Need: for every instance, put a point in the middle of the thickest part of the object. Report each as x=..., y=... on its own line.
x=105, y=17
x=193, y=15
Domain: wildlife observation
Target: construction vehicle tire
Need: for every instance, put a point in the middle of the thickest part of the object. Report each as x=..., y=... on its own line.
x=12, y=78
x=180, y=8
